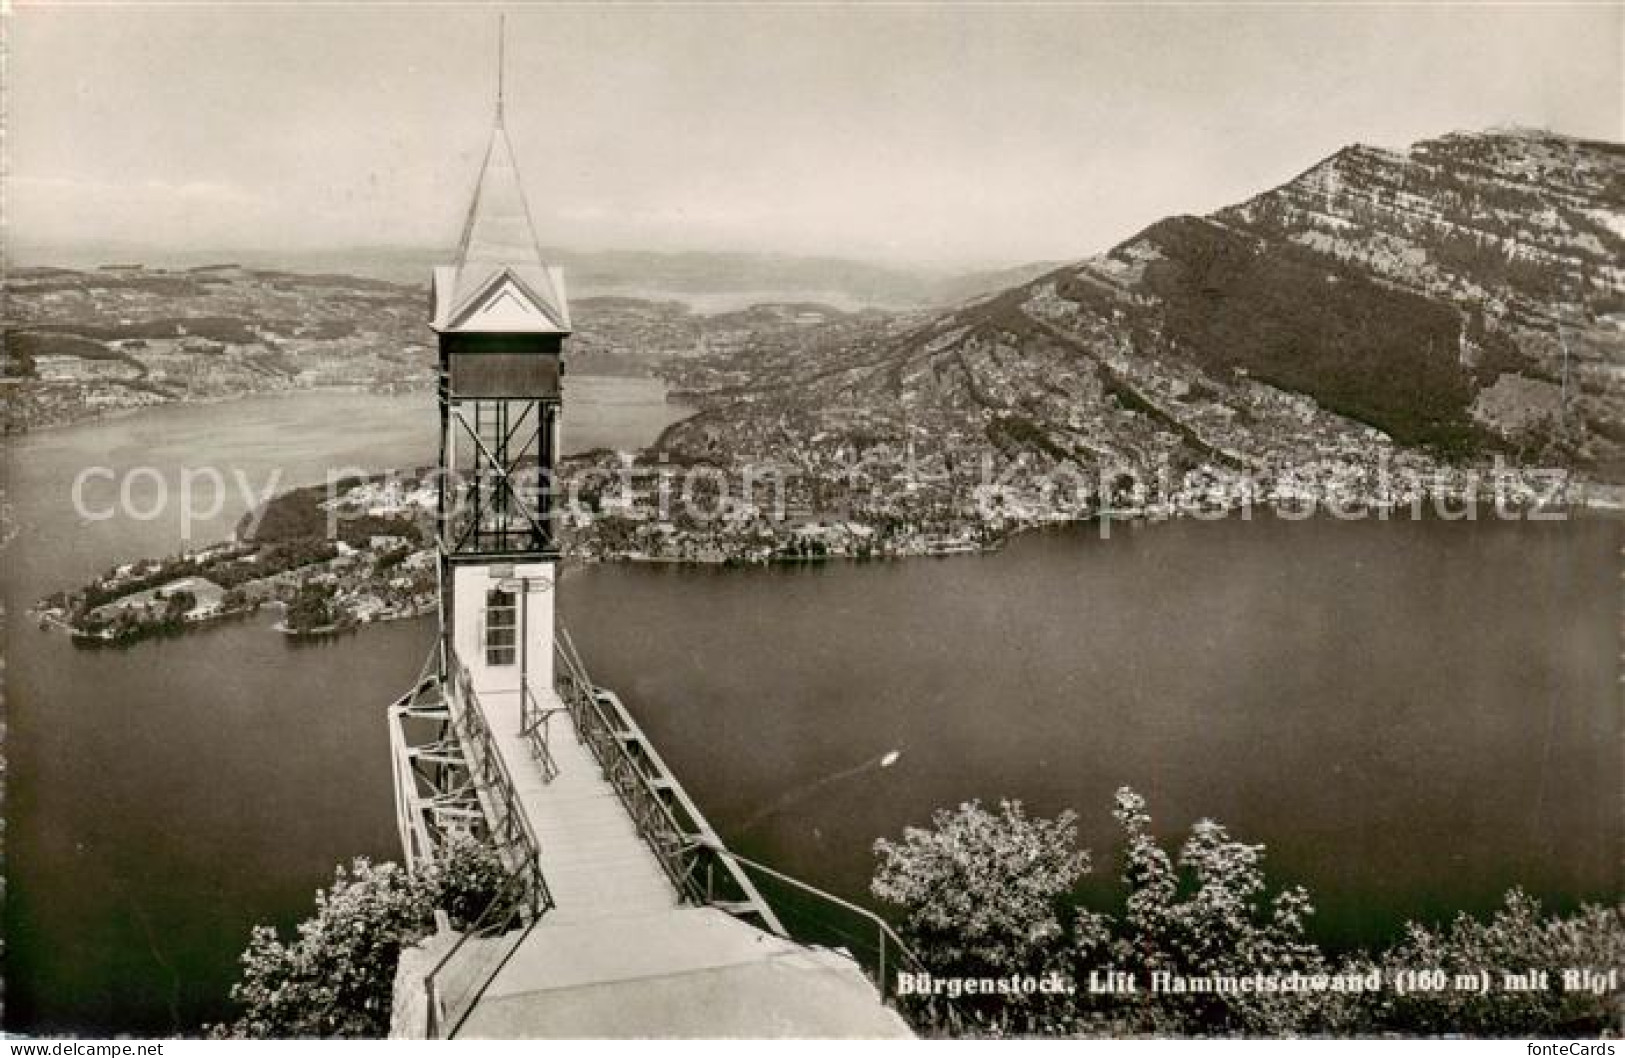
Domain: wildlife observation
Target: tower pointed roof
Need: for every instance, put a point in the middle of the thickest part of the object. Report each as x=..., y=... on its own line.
x=500, y=282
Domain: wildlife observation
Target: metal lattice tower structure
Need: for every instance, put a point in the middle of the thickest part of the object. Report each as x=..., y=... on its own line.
x=622, y=911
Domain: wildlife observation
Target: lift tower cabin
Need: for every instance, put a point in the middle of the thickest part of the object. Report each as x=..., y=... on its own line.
x=501, y=317
x=635, y=877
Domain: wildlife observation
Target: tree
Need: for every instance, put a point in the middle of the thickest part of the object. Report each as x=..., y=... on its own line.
x=176, y=604
x=336, y=977
x=1518, y=939
x=983, y=895
x=464, y=881
x=311, y=607
x=1204, y=914
x=987, y=894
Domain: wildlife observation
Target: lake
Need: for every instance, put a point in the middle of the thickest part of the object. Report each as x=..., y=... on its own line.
x=1412, y=716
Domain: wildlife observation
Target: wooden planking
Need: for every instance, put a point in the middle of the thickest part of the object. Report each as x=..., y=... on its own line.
x=591, y=854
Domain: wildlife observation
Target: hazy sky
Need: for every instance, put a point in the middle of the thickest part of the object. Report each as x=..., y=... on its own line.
x=928, y=133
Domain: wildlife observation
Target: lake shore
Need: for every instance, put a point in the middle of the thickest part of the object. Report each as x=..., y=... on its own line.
x=1173, y=655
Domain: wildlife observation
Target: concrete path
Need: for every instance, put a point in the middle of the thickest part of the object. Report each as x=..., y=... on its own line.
x=594, y=861
x=693, y=973
x=619, y=955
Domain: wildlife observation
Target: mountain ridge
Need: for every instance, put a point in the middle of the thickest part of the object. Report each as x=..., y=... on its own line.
x=1461, y=298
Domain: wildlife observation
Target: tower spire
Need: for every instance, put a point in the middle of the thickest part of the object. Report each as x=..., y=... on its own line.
x=499, y=246
x=502, y=58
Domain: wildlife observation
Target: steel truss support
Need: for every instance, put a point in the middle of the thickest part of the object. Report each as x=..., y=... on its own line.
x=449, y=782
x=495, y=508
x=435, y=796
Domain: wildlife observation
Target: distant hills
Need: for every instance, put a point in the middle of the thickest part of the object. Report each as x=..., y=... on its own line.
x=1464, y=296
x=77, y=344
x=700, y=276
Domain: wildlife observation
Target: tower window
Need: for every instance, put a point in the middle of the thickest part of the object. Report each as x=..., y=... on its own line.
x=501, y=627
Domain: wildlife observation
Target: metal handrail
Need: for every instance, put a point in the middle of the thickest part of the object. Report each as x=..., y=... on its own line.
x=686, y=847
x=488, y=767
x=533, y=725
x=702, y=844
x=672, y=825
x=526, y=897
x=885, y=935
x=650, y=813
x=441, y=1021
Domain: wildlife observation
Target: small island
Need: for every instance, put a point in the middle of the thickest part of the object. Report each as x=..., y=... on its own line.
x=372, y=566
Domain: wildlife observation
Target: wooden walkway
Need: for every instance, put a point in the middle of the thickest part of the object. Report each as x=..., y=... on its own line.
x=619, y=954
x=593, y=858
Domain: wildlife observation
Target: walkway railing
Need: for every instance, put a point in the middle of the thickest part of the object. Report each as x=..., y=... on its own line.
x=510, y=831
x=672, y=825
x=820, y=919
x=703, y=868
x=533, y=725
x=461, y=976
x=823, y=919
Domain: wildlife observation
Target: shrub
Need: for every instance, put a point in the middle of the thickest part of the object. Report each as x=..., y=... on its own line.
x=983, y=895
x=983, y=892
x=1204, y=914
x=464, y=882
x=988, y=894
x=336, y=977
x=1517, y=939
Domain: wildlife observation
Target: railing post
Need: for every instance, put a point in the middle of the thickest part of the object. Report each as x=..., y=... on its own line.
x=882, y=982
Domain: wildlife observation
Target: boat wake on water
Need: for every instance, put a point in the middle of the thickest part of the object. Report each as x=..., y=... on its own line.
x=806, y=790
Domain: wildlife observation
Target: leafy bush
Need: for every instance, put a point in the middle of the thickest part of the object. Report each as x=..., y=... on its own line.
x=336, y=977
x=1517, y=939
x=983, y=892
x=311, y=607
x=988, y=894
x=1206, y=913
x=464, y=882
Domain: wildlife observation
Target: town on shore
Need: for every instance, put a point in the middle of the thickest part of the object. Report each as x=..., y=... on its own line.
x=359, y=551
